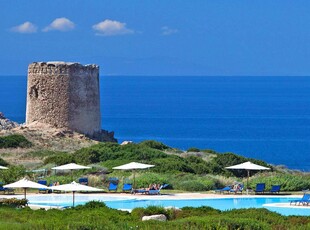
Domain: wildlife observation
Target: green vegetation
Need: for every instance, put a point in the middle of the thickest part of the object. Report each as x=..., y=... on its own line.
x=95, y=215
x=194, y=170
x=288, y=182
x=14, y=141
x=13, y=202
x=193, y=149
x=12, y=174
x=200, y=171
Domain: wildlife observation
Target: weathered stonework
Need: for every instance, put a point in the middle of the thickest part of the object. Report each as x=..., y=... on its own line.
x=65, y=95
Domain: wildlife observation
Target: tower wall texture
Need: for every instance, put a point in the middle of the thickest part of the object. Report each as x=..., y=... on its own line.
x=64, y=95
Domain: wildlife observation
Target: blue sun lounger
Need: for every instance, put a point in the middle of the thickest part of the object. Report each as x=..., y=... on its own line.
x=260, y=188
x=305, y=200
x=113, y=184
x=223, y=190
x=275, y=189
x=142, y=191
x=83, y=180
x=156, y=192
x=43, y=190
x=6, y=190
x=239, y=189
x=127, y=187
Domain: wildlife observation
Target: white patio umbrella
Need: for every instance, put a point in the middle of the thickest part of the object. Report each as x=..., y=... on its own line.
x=248, y=166
x=74, y=187
x=133, y=166
x=25, y=184
x=71, y=166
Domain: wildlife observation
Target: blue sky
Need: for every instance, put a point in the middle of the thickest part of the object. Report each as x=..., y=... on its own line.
x=149, y=37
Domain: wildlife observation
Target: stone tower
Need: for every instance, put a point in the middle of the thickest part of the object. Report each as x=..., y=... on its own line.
x=64, y=95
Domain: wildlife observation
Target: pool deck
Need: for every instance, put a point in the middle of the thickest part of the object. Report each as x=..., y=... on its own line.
x=175, y=196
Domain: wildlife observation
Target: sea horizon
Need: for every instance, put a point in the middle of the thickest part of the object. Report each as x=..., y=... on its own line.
x=259, y=117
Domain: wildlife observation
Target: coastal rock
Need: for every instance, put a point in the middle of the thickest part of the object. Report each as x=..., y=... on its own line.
x=159, y=217
x=126, y=142
x=6, y=124
x=173, y=208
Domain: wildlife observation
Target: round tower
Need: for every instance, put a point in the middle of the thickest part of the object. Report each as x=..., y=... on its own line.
x=64, y=95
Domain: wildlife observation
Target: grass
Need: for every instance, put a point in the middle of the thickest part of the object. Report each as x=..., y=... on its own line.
x=95, y=215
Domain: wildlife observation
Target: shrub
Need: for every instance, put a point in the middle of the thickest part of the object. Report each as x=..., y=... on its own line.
x=193, y=185
x=288, y=182
x=171, y=164
x=13, y=202
x=92, y=204
x=13, y=173
x=219, y=163
x=150, y=178
x=14, y=141
x=87, y=156
x=155, y=145
x=193, y=149
x=209, y=151
x=3, y=162
x=59, y=159
x=199, y=211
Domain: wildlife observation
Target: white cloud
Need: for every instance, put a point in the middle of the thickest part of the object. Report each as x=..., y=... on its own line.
x=26, y=27
x=61, y=24
x=111, y=28
x=165, y=30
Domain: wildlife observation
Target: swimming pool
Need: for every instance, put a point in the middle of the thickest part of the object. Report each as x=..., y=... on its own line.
x=127, y=203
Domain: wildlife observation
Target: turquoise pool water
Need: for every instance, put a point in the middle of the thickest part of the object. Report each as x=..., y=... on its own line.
x=131, y=203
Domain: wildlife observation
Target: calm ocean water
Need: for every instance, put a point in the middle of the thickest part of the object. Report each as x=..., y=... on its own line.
x=260, y=117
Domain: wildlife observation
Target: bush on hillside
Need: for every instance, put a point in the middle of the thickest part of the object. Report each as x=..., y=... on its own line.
x=229, y=159
x=3, y=162
x=288, y=182
x=12, y=174
x=193, y=149
x=191, y=186
x=155, y=145
x=147, y=178
x=60, y=159
x=171, y=164
x=14, y=141
x=209, y=151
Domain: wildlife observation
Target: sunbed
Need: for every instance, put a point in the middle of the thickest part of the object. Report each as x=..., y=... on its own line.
x=6, y=190
x=223, y=190
x=142, y=191
x=305, y=200
x=275, y=189
x=113, y=184
x=260, y=188
x=83, y=180
x=156, y=192
x=43, y=190
x=127, y=187
x=238, y=189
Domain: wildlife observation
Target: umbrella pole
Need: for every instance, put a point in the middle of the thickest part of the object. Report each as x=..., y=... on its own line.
x=73, y=198
x=134, y=179
x=247, y=180
x=25, y=192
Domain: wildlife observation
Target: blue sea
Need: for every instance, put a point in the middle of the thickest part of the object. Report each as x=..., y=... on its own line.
x=260, y=117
